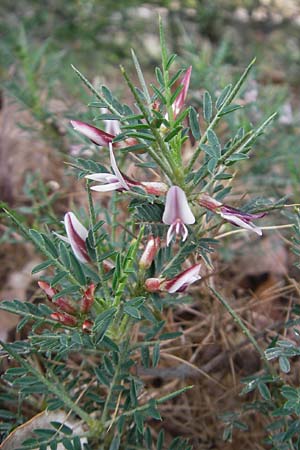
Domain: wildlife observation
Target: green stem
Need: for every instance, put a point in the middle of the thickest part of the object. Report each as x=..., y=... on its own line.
x=237, y=148
x=175, y=144
x=126, y=267
x=166, y=78
x=203, y=139
x=218, y=116
x=160, y=161
x=141, y=196
x=5, y=305
x=146, y=406
x=175, y=257
x=93, y=223
x=114, y=215
x=122, y=357
x=110, y=392
x=164, y=160
x=243, y=327
x=241, y=145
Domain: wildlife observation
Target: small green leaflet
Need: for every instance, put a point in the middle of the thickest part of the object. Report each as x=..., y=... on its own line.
x=207, y=107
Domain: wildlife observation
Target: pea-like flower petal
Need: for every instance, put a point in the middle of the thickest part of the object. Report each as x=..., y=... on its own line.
x=111, y=126
x=180, y=100
x=232, y=215
x=111, y=182
x=97, y=136
x=177, y=284
x=241, y=219
x=177, y=213
x=77, y=235
x=183, y=280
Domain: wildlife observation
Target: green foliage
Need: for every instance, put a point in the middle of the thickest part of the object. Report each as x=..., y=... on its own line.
x=80, y=353
x=296, y=238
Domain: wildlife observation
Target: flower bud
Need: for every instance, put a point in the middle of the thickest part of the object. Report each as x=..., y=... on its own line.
x=155, y=105
x=98, y=137
x=64, y=318
x=150, y=252
x=154, y=187
x=208, y=202
x=87, y=299
x=87, y=326
x=65, y=305
x=77, y=235
x=53, y=185
x=153, y=284
x=62, y=303
x=180, y=100
x=107, y=265
x=49, y=291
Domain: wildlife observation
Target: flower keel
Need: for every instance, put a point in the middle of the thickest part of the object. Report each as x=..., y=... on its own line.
x=98, y=137
x=177, y=284
x=76, y=237
x=232, y=215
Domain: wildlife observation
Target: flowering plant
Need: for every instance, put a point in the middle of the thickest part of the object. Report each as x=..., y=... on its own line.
x=106, y=282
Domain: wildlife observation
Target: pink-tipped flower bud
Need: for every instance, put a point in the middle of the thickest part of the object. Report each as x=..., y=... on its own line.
x=107, y=265
x=150, y=252
x=98, y=137
x=155, y=105
x=65, y=305
x=77, y=235
x=208, y=202
x=64, y=318
x=153, y=284
x=87, y=326
x=62, y=303
x=87, y=299
x=180, y=100
x=154, y=187
x=49, y=291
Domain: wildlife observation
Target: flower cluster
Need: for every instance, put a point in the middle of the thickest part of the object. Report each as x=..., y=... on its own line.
x=69, y=313
x=177, y=212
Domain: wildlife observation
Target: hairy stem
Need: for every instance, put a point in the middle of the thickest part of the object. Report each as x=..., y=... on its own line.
x=164, y=160
x=93, y=223
x=218, y=115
